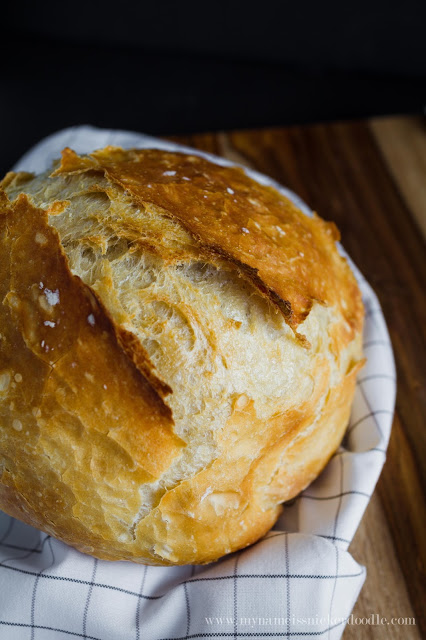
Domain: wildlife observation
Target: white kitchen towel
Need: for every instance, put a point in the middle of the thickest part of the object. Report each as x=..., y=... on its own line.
x=297, y=581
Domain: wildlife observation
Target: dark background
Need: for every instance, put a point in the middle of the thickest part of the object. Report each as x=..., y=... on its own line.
x=180, y=67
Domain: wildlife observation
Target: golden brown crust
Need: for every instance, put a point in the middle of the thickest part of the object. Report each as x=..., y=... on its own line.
x=87, y=430
x=288, y=256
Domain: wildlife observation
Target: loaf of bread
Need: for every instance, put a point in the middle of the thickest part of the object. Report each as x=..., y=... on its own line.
x=178, y=353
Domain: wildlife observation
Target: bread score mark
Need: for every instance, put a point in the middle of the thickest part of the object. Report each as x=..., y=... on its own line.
x=290, y=258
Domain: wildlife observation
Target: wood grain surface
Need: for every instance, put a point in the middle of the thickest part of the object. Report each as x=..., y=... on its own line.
x=370, y=178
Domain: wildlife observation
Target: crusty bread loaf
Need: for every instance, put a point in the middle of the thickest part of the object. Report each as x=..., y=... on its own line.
x=178, y=352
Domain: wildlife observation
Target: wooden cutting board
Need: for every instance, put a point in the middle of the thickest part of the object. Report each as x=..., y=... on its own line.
x=370, y=178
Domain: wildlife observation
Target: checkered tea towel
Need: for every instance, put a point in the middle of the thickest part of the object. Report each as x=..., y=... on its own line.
x=298, y=581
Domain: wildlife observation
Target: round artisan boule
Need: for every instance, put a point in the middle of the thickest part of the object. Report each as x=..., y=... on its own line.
x=178, y=352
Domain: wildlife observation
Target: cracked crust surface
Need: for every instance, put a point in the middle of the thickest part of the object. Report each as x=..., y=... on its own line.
x=178, y=352
x=263, y=234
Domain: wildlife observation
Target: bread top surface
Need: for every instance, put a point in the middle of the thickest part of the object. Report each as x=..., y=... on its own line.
x=289, y=257
x=169, y=313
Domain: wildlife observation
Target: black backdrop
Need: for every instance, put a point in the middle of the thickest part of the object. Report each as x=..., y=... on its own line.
x=176, y=66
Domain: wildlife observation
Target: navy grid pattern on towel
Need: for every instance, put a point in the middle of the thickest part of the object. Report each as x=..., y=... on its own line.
x=298, y=581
